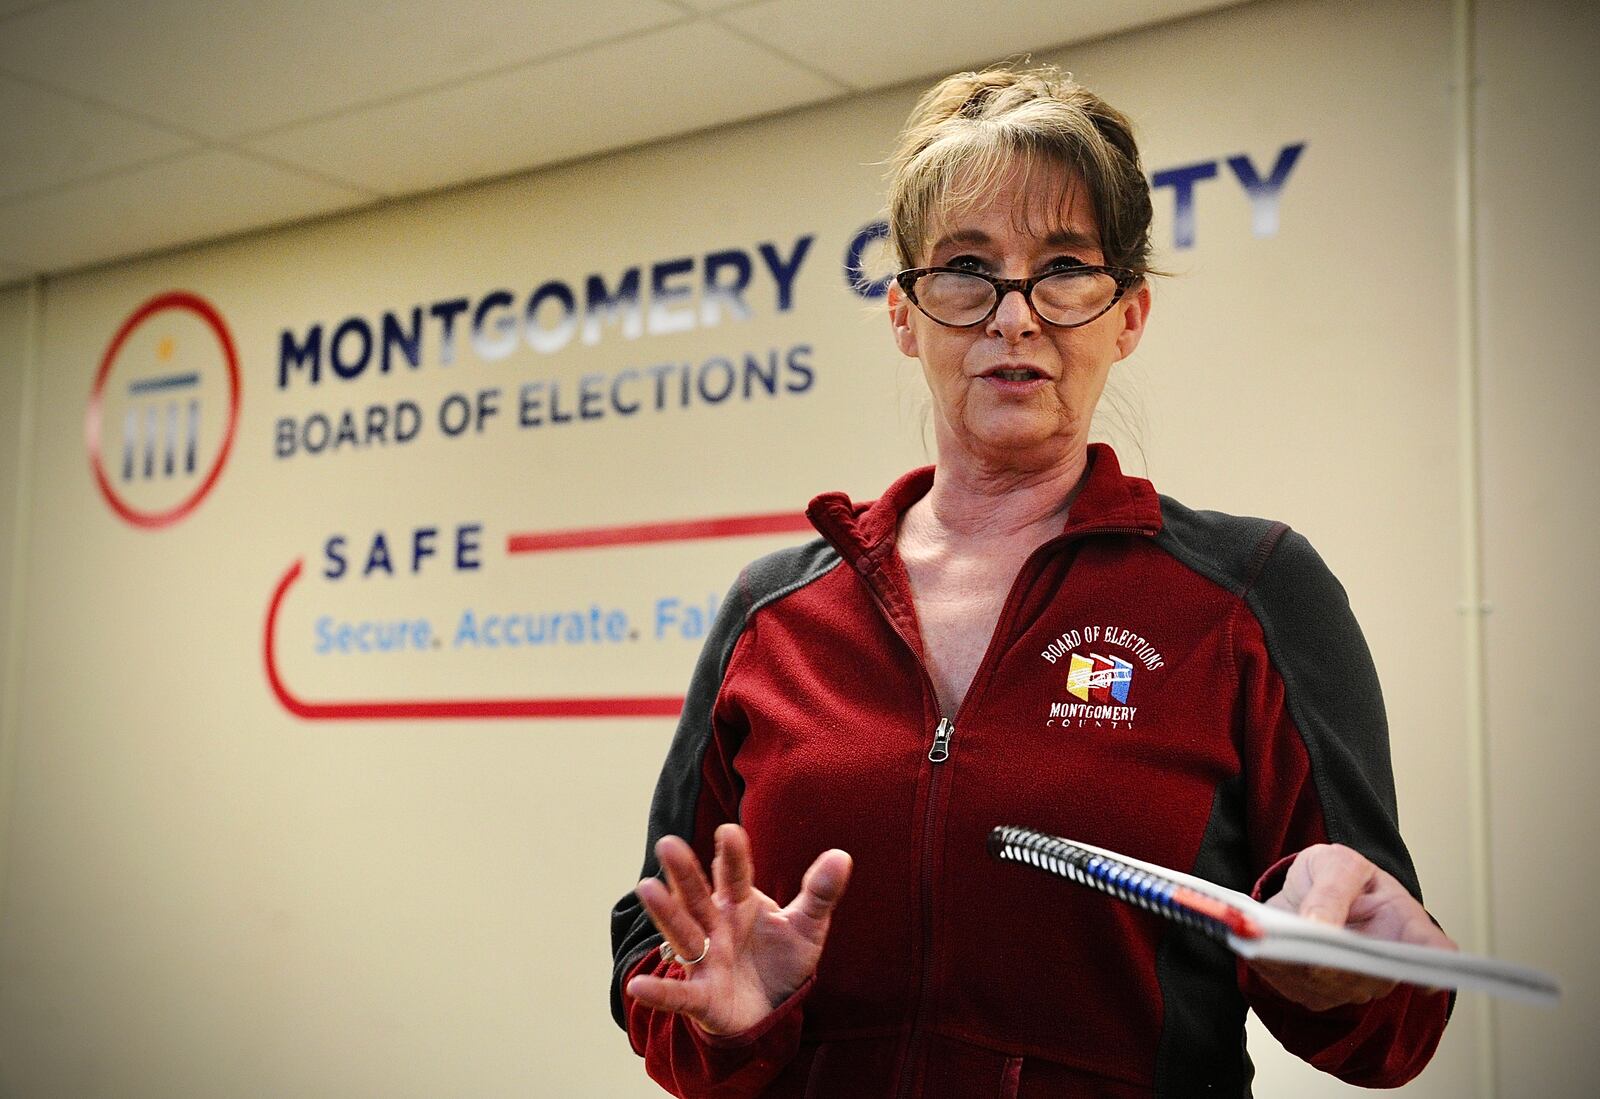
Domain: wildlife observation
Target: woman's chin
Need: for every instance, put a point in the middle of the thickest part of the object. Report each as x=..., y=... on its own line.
x=1024, y=441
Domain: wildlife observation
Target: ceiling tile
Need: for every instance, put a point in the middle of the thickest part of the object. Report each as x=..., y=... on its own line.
x=192, y=198
x=624, y=93
x=874, y=45
x=48, y=139
x=231, y=67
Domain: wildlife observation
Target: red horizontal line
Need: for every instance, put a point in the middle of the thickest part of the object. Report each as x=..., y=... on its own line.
x=683, y=530
x=482, y=708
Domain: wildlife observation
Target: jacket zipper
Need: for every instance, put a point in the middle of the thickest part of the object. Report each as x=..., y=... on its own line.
x=938, y=754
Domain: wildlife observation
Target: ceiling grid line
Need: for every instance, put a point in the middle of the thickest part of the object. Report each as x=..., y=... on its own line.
x=763, y=44
x=356, y=106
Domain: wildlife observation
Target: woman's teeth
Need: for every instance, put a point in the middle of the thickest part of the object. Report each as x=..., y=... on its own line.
x=1015, y=375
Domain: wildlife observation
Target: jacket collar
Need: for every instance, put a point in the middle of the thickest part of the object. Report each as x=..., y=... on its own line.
x=1109, y=501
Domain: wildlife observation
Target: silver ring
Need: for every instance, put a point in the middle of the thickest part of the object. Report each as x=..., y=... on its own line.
x=670, y=955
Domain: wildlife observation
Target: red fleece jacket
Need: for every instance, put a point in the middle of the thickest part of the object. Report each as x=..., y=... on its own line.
x=1238, y=720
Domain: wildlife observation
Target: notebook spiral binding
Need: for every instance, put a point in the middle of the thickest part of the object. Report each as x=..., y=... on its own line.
x=1010, y=843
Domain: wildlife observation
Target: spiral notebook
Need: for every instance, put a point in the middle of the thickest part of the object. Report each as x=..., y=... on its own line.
x=1253, y=930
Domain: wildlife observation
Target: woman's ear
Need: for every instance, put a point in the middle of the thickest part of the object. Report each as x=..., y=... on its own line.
x=1135, y=309
x=900, y=320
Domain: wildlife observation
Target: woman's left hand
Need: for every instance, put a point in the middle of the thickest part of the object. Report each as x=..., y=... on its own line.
x=1332, y=884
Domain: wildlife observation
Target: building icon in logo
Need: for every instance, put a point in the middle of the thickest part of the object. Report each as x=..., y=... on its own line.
x=170, y=381
x=159, y=411
x=1096, y=678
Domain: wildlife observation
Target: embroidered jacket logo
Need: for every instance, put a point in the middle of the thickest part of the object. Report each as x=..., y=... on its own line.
x=1096, y=678
x=1099, y=683
x=1102, y=682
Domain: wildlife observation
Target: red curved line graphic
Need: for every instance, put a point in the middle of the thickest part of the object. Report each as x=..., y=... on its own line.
x=444, y=708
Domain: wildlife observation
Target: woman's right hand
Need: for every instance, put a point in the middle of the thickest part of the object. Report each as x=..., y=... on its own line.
x=758, y=954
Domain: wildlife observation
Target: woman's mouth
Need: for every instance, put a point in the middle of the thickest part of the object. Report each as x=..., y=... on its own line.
x=1015, y=378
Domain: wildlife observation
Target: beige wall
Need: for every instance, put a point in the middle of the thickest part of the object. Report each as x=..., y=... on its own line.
x=16, y=312
x=1539, y=265
x=206, y=895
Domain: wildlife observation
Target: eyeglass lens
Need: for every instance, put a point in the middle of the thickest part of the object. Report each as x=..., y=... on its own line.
x=1070, y=297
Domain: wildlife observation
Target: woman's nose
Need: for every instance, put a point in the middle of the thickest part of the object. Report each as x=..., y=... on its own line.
x=1014, y=317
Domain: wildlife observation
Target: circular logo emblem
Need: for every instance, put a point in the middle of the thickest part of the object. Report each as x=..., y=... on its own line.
x=163, y=410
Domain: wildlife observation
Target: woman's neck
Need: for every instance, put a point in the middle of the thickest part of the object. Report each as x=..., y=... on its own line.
x=971, y=506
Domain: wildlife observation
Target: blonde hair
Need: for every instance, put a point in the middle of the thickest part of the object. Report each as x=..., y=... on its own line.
x=971, y=130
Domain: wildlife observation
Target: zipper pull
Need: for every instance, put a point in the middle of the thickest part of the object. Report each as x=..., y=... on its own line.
x=941, y=741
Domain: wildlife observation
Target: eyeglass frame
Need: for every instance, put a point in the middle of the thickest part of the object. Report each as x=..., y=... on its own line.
x=1124, y=276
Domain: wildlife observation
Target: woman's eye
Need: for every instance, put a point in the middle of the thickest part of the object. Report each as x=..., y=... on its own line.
x=1064, y=263
x=965, y=263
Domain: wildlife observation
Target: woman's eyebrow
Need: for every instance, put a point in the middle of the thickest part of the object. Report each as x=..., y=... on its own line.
x=959, y=237
x=1060, y=238
x=1071, y=238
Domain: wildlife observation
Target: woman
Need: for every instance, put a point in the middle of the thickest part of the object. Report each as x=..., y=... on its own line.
x=1021, y=635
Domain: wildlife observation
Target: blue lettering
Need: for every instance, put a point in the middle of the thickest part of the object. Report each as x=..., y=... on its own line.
x=601, y=306
x=317, y=430
x=725, y=368
x=1264, y=194
x=407, y=421
x=409, y=343
x=347, y=430
x=450, y=422
x=556, y=415
x=616, y=392
x=694, y=623
x=324, y=635
x=801, y=374
x=663, y=296
x=467, y=546
x=855, y=275
x=422, y=546
x=718, y=295
x=768, y=377
x=529, y=398
x=684, y=620
x=488, y=406
x=295, y=356
x=659, y=373
x=616, y=626
x=1182, y=181
x=333, y=550
x=666, y=616
x=590, y=395
x=784, y=271
x=284, y=437
x=377, y=422
x=447, y=312
x=488, y=347
x=379, y=557
x=546, y=340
